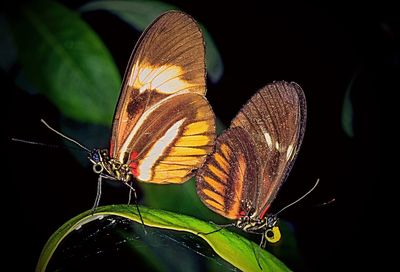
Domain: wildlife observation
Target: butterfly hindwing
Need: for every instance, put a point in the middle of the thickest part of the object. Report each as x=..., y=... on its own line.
x=168, y=153
x=228, y=181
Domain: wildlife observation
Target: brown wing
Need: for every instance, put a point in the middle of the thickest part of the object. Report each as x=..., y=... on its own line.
x=227, y=182
x=275, y=117
x=168, y=58
x=163, y=126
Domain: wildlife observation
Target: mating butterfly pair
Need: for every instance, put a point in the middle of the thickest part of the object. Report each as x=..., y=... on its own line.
x=164, y=129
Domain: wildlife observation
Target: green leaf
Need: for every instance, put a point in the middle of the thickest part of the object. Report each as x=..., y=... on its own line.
x=165, y=196
x=66, y=61
x=139, y=14
x=230, y=246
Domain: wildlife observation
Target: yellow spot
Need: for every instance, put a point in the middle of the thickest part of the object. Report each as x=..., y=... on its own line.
x=182, y=151
x=222, y=162
x=226, y=151
x=197, y=128
x=214, y=196
x=157, y=150
x=215, y=184
x=276, y=235
x=214, y=204
x=193, y=140
x=221, y=175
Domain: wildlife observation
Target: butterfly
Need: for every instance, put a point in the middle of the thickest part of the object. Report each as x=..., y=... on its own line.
x=163, y=126
x=252, y=159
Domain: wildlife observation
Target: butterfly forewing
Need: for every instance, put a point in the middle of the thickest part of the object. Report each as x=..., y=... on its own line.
x=162, y=104
x=168, y=58
x=228, y=181
x=275, y=118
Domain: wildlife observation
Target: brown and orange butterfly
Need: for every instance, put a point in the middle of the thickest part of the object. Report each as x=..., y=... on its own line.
x=163, y=127
x=252, y=159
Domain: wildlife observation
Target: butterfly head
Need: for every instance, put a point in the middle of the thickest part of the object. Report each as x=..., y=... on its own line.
x=272, y=232
x=267, y=226
x=112, y=168
x=98, y=158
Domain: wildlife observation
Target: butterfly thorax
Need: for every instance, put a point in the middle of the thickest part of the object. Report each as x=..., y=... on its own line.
x=110, y=167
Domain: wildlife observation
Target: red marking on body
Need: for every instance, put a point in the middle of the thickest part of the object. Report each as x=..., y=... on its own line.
x=242, y=213
x=264, y=212
x=134, y=155
x=133, y=165
x=134, y=168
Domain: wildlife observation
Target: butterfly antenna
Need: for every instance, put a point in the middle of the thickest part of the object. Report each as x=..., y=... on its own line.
x=44, y=144
x=326, y=203
x=65, y=137
x=303, y=196
x=33, y=143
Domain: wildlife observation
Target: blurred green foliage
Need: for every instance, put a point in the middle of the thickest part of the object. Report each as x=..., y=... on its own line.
x=66, y=61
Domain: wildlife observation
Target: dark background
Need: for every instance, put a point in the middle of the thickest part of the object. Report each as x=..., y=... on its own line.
x=322, y=48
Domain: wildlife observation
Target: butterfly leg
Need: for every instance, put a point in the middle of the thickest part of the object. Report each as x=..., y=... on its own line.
x=130, y=193
x=132, y=190
x=221, y=227
x=263, y=242
x=98, y=194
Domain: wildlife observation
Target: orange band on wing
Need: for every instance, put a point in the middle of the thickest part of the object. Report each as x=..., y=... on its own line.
x=240, y=173
x=214, y=196
x=217, y=186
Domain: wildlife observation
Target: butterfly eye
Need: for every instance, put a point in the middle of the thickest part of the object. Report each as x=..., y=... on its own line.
x=273, y=235
x=272, y=220
x=98, y=168
x=104, y=153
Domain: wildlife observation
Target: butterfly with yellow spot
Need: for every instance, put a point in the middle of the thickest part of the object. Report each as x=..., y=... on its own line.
x=252, y=159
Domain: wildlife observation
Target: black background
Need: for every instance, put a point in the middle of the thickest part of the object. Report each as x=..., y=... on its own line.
x=322, y=48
